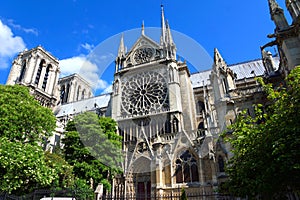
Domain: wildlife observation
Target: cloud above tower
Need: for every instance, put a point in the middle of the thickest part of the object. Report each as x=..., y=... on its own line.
x=10, y=45
x=86, y=68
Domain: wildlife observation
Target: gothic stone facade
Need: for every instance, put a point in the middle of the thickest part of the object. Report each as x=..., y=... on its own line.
x=169, y=119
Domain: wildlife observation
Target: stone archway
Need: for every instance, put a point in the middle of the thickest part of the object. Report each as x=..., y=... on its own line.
x=141, y=178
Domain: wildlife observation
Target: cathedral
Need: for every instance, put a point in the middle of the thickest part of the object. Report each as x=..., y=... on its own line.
x=170, y=119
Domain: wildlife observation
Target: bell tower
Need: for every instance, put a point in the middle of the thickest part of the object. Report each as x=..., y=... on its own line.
x=39, y=70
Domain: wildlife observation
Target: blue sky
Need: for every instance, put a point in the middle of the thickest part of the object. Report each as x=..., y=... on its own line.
x=69, y=29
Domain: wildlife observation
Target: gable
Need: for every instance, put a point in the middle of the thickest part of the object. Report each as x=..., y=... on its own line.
x=143, y=50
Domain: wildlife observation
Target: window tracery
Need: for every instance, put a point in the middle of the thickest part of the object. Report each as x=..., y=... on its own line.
x=143, y=55
x=144, y=93
x=186, y=168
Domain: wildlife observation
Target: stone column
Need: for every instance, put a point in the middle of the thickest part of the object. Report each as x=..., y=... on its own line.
x=50, y=85
x=28, y=70
x=71, y=92
x=158, y=163
x=54, y=92
x=14, y=72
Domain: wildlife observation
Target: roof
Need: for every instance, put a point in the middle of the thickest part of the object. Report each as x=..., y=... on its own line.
x=199, y=78
x=101, y=101
x=242, y=70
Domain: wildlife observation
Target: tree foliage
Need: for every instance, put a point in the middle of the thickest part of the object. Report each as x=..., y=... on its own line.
x=22, y=118
x=266, y=147
x=93, y=148
x=183, y=194
x=23, y=124
x=23, y=167
x=63, y=177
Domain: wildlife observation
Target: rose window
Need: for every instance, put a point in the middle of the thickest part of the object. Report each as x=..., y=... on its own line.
x=143, y=55
x=144, y=93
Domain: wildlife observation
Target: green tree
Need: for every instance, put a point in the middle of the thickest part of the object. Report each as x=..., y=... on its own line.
x=23, y=125
x=183, y=195
x=82, y=190
x=23, y=167
x=22, y=118
x=93, y=148
x=64, y=177
x=266, y=147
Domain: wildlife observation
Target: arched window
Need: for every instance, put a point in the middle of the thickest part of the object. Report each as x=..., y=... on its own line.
x=66, y=96
x=62, y=94
x=83, y=94
x=78, y=93
x=46, y=77
x=201, y=125
x=221, y=164
x=175, y=123
x=200, y=107
x=39, y=72
x=186, y=168
x=225, y=86
x=23, y=69
x=201, y=129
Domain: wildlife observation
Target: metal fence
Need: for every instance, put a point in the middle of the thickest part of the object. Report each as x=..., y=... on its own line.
x=38, y=194
x=192, y=196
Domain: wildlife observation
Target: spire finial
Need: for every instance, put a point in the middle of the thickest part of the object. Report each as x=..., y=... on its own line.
x=143, y=28
x=277, y=15
x=121, y=51
x=217, y=56
x=163, y=25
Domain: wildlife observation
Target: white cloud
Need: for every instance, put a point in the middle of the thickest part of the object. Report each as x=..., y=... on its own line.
x=87, y=69
x=19, y=27
x=88, y=47
x=107, y=89
x=10, y=45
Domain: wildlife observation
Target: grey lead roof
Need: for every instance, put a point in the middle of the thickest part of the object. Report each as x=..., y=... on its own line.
x=83, y=105
x=242, y=70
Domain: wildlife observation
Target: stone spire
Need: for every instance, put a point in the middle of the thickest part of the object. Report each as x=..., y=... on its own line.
x=169, y=37
x=218, y=59
x=293, y=7
x=163, y=27
x=121, y=55
x=121, y=51
x=277, y=15
x=143, y=28
x=170, y=43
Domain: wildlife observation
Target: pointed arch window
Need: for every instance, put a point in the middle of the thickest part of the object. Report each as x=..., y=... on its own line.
x=66, y=96
x=221, y=164
x=225, y=86
x=200, y=107
x=46, y=77
x=186, y=168
x=23, y=69
x=62, y=94
x=78, y=93
x=39, y=72
x=83, y=94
